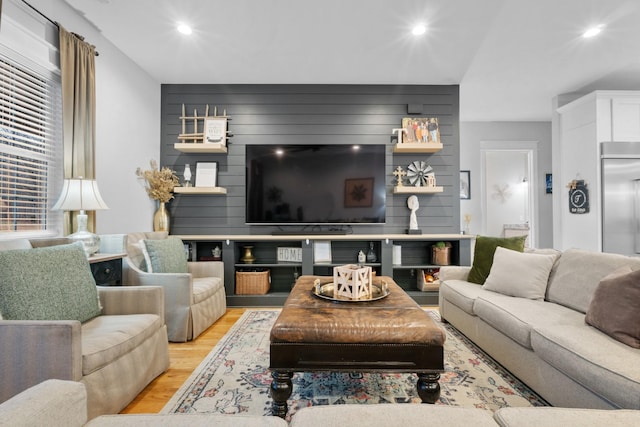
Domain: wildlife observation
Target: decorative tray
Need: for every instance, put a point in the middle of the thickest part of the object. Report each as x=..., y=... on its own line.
x=325, y=291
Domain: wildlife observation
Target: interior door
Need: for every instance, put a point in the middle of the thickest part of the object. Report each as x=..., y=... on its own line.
x=508, y=177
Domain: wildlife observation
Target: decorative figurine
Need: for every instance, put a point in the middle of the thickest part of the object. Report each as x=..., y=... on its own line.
x=413, y=205
x=371, y=254
x=217, y=253
x=399, y=173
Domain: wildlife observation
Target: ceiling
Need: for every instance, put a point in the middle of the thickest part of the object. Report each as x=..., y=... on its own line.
x=510, y=57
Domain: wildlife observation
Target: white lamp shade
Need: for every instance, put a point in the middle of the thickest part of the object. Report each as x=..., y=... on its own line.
x=79, y=195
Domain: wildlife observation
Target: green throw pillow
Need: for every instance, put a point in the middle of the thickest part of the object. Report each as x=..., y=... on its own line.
x=165, y=255
x=483, y=254
x=49, y=283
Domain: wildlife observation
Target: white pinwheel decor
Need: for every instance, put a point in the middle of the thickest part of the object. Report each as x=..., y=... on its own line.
x=419, y=172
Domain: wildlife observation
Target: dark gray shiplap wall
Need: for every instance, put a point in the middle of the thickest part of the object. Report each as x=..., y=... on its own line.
x=313, y=114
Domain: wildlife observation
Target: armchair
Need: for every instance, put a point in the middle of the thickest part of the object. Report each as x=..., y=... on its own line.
x=115, y=347
x=193, y=300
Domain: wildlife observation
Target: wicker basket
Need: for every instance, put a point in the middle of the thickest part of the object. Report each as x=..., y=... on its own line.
x=252, y=282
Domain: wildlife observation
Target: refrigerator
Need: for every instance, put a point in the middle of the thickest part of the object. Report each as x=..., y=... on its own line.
x=620, y=168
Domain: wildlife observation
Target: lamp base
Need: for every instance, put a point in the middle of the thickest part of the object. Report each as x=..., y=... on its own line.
x=90, y=242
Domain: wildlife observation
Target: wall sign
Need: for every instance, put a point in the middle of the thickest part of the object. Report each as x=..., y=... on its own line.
x=578, y=197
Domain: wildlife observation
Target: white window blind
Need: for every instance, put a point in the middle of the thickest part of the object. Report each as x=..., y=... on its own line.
x=30, y=146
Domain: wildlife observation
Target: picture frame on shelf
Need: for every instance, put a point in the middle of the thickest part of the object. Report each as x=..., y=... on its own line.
x=465, y=185
x=206, y=174
x=322, y=252
x=215, y=130
x=358, y=193
x=420, y=130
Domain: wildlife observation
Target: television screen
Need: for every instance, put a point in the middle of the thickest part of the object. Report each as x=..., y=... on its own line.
x=315, y=184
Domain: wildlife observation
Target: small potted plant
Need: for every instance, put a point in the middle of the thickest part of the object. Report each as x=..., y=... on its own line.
x=441, y=253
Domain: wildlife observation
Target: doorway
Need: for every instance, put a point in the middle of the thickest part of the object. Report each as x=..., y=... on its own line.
x=508, y=187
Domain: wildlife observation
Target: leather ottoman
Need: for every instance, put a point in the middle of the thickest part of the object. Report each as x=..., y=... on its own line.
x=392, y=334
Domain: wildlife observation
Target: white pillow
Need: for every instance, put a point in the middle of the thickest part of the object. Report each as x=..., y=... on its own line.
x=519, y=274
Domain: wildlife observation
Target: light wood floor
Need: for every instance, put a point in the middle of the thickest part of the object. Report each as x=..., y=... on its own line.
x=184, y=357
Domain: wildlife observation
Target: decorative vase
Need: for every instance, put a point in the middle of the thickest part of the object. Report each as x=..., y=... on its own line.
x=161, y=218
x=217, y=253
x=371, y=255
x=248, y=257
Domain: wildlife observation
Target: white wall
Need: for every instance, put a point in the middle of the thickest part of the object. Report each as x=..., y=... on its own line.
x=472, y=134
x=127, y=125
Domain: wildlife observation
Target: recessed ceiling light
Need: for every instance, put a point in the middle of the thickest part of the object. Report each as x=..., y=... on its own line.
x=184, y=29
x=419, y=29
x=591, y=32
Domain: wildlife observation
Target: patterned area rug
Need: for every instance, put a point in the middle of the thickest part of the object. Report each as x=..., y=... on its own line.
x=234, y=378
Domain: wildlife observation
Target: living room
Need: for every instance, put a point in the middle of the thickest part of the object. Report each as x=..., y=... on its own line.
x=137, y=122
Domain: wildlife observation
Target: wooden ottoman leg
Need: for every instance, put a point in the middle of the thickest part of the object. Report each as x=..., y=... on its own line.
x=429, y=387
x=280, y=390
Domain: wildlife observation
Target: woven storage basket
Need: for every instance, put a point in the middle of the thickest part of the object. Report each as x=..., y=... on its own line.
x=252, y=282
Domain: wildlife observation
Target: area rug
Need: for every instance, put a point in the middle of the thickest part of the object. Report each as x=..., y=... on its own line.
x=234, y=378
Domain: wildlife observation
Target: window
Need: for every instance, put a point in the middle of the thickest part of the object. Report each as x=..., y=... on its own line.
x=30, y=148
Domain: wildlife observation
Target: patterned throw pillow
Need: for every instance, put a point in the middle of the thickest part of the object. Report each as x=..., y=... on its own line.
x=49, y=283
x=483, y=254
x=165, y=255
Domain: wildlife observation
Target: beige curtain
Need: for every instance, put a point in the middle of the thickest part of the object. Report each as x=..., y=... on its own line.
x=77, y=65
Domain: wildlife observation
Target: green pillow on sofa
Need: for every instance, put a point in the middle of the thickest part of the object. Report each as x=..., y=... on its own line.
x=49, y=283
x=165, y=255
x=483, y=254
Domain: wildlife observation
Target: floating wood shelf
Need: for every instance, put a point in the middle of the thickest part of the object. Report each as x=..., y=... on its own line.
x=408, y=189
x=417, y=147
x=200, y=190
x=196, y=147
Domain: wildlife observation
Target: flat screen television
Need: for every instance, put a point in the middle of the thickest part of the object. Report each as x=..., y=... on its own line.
x=315, y=184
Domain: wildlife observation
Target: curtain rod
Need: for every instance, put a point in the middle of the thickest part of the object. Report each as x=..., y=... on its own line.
x=53, y=22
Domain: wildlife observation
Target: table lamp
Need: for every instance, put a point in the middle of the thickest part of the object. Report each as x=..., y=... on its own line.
x=82, y=195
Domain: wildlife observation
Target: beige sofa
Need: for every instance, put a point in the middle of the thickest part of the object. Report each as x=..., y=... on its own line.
x=57, y=403
x=115, y=354
x=546, y=342
x=193, y=300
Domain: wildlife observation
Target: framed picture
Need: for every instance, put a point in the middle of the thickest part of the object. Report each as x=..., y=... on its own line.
x=358, y=193
x=215, y=130
x=322, y=251
x=424, y=129
x=548, y=182
x=206, y=174
x=465, y=184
